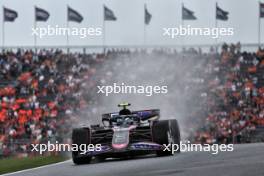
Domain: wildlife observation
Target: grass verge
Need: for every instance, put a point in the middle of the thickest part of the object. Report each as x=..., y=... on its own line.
x=16, y=164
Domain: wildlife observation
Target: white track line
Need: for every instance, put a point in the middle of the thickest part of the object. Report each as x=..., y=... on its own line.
x=35, y=168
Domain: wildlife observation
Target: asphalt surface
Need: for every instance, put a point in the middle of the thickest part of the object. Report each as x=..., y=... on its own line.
x=245, y=160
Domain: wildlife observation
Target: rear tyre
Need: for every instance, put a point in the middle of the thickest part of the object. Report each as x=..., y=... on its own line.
x=80, y=136
x=166, y=132
x=176, y=133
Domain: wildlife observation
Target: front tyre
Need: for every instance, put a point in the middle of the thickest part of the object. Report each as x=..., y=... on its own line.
x=166, y=132
x=80, y=136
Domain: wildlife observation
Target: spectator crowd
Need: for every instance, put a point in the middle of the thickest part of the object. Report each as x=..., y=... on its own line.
x=39, y=97
x=233, y=94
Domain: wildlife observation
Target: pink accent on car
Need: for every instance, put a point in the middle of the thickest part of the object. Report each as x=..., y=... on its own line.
x=125, y=144
x=119, y=146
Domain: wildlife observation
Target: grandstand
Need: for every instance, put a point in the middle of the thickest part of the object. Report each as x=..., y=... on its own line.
x=43, y=93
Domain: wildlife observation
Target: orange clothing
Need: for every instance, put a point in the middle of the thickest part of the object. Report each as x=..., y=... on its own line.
x=3, y=115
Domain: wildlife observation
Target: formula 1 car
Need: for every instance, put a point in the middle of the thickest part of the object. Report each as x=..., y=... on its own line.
x=126, y=134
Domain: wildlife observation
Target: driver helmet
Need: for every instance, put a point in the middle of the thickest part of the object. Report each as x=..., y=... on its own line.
x=124, y=111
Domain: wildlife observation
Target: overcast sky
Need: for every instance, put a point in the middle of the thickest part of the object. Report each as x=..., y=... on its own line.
x=128, y=29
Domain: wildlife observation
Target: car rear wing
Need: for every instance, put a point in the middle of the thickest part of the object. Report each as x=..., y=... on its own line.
x=143, y=114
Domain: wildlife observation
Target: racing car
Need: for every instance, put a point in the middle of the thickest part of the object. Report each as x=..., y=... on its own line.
x=126, y=134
